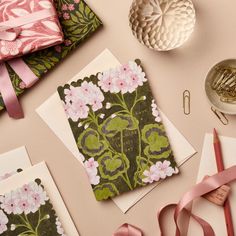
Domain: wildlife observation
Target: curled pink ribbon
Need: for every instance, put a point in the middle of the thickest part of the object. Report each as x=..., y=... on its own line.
x=206, y=186
x=6, y=88
x=128, y=230
x=210, y=184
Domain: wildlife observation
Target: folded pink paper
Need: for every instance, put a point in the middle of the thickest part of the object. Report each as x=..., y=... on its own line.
x=27, y=26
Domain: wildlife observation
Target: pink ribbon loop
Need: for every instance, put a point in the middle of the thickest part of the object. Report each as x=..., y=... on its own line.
x=6, y=88
x=206, y=186
x=128, y=230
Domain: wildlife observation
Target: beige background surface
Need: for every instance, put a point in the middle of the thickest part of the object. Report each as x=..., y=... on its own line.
x=170, y=74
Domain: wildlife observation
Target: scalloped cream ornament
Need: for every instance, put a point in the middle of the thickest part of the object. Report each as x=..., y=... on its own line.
x=162, y=25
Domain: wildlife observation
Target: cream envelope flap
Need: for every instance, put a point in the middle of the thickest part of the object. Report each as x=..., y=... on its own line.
x=211, y=213
x=51, y=111
x=41, y=171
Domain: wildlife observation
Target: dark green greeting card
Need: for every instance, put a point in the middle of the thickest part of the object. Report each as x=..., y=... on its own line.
x=118, y=129
x=27, y=211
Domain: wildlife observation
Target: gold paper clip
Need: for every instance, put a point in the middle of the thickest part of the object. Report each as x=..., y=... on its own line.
x=221, y=116
x=186, y=102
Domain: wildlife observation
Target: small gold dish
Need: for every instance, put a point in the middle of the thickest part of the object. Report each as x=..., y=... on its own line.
x=220, y=86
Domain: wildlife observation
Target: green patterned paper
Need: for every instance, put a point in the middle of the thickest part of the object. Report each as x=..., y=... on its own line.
x=118, y=129
x=78, y=22
x=27, y=211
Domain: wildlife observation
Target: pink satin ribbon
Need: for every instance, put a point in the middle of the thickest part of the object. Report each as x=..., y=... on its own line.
x=6, y=88
x=9, y=30
x=128, y=230
x=206, y=186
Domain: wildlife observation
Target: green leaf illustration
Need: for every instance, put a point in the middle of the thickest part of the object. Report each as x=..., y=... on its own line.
x=91, y=144
x=105, y=191
x=113, y=125
x=158, y=143
x=111, y=167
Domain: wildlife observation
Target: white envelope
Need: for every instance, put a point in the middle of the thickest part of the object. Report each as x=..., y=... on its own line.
x=51, y=111
x=208, y=211
x=41, y=171
x=13, y=160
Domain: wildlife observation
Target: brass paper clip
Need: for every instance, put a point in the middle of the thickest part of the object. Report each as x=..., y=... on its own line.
x=221, y=116
x=186, y=102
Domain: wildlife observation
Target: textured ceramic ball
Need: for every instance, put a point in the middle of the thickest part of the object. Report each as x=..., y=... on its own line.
x=162, y=24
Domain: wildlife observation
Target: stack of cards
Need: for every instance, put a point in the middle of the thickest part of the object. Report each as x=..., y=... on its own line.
x=30, y=203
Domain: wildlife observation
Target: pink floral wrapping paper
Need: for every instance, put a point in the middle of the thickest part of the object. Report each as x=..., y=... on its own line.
x=33, y=36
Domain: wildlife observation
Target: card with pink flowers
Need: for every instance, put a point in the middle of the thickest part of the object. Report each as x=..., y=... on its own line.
x=118, y=129
x=27, y=211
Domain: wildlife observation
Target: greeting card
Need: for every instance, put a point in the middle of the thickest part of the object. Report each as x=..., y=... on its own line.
x=21, y=195
x=27, y=211
x=118, y=129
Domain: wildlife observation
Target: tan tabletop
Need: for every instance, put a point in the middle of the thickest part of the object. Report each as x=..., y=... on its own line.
x=170, y=73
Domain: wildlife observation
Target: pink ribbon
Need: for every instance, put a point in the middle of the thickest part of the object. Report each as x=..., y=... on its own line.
x=128, y=230
x=206, y=186
x=7, y=91
x=9, y=30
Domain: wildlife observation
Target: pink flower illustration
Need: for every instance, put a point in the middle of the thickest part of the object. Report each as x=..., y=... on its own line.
x=151, y=175
x=91, y=168
x=136, y=69
x=91, y=163
x=64, y=7
x=66, y=16
x=10, y=47
x=92, y=95
x=76, y=1
x=158, y=171
x=107, y=81
x=3, y=222
x=71, y=7
x=125, y=69
x=87, y=89
x=37, y=197
x=26, y=199
x=24, y=206
x=67, y=42
x=26, y=189
x=94, y=179
x=155, y=111
x=60, y=230
x=9, y=203
x=96, y=104
x=164, y=169
x=72, y=94
x=122, y=85
x=58, y=48
x=81, y=109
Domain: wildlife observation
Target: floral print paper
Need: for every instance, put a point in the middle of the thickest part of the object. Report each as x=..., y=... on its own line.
x=118, y=129
x=28, y=211
x=32, y=36
x=78, y=22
